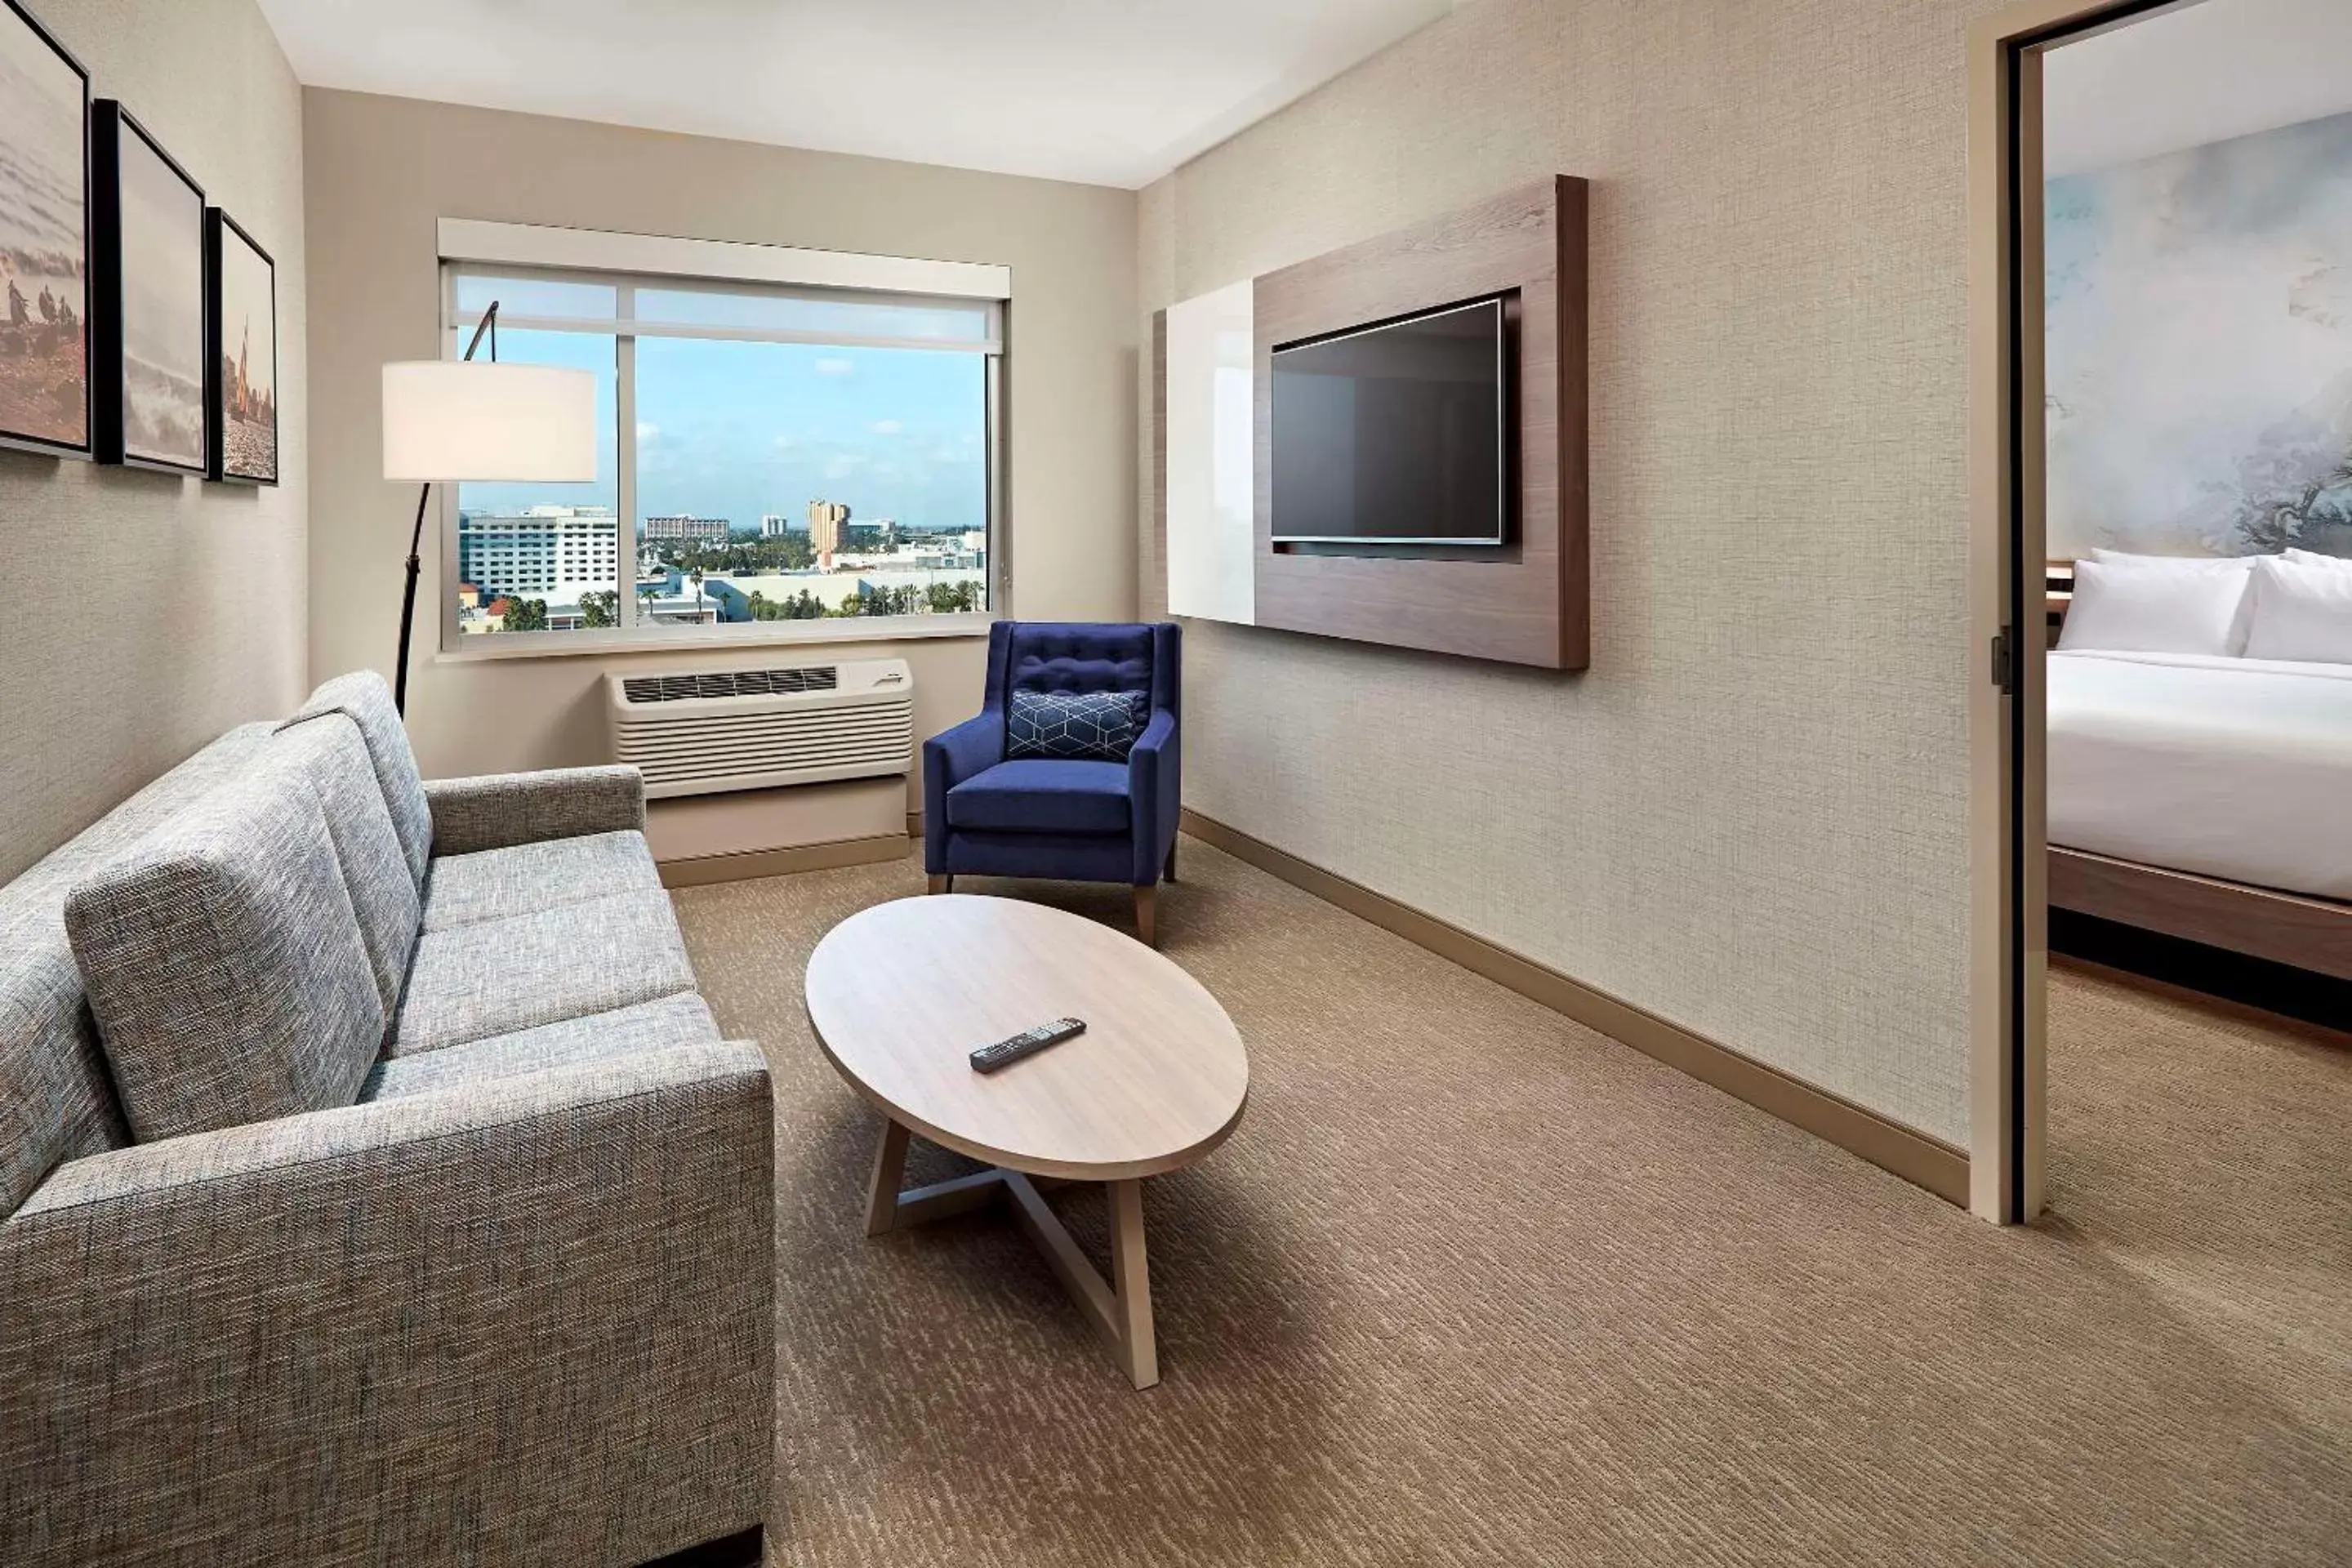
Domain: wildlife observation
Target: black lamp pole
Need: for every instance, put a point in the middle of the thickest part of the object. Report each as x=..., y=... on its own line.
x=416, y=535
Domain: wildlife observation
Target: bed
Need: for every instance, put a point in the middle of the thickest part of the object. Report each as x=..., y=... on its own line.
x=2205, y=797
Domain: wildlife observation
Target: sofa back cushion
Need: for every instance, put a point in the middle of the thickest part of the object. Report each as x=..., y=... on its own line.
x=366, y=701
x=57, y=1099
x=328, y=752
x=223, y=963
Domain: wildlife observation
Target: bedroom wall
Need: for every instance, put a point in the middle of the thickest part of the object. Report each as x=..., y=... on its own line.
x=383, y=171
x=1749, y=816
x=2200, y=347
x=151, y=613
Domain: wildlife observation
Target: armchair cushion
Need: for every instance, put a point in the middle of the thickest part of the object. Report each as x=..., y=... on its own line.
x=1043, y=794
x=1093, y=726
x=224, y=966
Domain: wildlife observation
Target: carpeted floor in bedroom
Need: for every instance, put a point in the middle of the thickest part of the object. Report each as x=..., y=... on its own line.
x=1472, y=1284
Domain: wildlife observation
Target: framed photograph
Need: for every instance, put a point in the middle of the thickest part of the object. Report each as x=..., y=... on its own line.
x=147, y=299
x=240, y=353
x=45, y=347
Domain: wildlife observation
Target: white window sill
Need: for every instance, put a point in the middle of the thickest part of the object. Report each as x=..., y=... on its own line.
x=602, y=644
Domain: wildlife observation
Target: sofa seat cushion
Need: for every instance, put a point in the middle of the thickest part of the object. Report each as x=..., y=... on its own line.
x=498, y=977
x=680, y=1020
x=1043, y=794
x=497, y=884
x=223, y=963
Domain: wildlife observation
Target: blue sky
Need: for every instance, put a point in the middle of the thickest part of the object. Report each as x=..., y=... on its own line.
x=735, y=429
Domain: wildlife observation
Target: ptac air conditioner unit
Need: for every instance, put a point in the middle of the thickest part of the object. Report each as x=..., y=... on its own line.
x=755, y=729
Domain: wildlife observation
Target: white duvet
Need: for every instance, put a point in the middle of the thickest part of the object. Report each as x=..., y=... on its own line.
x=2237, y=768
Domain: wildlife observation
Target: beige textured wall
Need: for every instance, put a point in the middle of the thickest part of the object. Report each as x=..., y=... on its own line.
x=382, y=171
x=149, y=613
x=1750, y=815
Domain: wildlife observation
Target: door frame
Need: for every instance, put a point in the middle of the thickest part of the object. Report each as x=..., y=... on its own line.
x=2007, y=549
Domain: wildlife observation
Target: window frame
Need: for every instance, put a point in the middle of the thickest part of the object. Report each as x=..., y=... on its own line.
x=759, y=270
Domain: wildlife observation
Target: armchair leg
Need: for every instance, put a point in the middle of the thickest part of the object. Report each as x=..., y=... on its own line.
x=1167, y=872
x=1147, y=916
x=943, y=884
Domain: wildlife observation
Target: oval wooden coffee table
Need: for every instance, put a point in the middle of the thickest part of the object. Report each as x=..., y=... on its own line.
x=901, y=995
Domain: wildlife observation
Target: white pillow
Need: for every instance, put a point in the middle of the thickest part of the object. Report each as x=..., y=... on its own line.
x=2303, y=611
x=2175, y=562
x=2313, y=558
x=2128, y=609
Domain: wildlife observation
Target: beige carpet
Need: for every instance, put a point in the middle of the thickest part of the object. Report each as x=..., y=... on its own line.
x=1473, y=1285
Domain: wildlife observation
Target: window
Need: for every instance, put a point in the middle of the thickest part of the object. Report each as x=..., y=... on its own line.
x=769, y=452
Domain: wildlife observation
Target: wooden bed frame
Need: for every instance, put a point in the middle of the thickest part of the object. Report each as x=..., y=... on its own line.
x=2285, y=928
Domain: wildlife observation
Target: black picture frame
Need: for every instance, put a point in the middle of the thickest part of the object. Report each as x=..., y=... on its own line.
x=221, y=397
x=110, y=124
x=26, y=440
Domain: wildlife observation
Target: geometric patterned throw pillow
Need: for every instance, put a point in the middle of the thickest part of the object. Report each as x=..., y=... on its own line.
x=1093, y=726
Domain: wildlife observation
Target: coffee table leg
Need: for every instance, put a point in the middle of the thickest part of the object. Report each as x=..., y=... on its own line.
x=1138, y=1350
x=889, y=1170
x=1119, y=1307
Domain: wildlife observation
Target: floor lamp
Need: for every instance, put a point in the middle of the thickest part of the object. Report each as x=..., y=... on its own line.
x=447, y=420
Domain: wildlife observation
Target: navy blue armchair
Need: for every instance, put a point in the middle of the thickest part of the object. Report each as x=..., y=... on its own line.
x=1085, y=820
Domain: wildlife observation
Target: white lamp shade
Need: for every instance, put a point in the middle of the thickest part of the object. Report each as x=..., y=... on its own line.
x=451, y=419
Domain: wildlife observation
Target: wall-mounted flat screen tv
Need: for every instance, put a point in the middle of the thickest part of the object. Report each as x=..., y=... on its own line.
x=1397, y=433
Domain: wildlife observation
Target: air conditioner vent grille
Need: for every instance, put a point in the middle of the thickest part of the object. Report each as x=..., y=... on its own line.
x=729, y=683
x=702, y=732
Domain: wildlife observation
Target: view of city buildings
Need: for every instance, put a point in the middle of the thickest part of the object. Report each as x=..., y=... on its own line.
x=558, y=568
x=711, y=530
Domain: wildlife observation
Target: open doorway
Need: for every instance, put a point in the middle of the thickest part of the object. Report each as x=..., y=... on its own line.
x=2172, y=372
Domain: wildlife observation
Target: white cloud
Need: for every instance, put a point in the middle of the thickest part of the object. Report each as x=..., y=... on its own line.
x=841, y=467
x=836, y=367
x=886, y=427
x=647, y=434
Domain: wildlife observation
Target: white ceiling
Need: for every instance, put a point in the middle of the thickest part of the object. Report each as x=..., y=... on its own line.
x=2215, y=70
x=1112, y=92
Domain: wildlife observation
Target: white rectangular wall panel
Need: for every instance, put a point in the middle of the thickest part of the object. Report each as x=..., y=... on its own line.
x=1211, y=544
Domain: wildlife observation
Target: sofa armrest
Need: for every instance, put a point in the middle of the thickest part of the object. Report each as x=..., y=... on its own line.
x=529, y=1320
x=951, y=757
x=1155, y=793
x=498, y=811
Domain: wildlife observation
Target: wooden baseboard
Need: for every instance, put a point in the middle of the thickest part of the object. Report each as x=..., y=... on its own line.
x=701, y=870
x=1913, y=1155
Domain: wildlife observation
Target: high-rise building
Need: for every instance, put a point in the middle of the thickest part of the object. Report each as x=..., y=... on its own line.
x=828, y=529
x=541, y=552
x=774, y=525
x=706, y=531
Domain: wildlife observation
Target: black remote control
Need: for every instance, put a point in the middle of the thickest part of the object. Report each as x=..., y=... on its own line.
x=1028, y=1043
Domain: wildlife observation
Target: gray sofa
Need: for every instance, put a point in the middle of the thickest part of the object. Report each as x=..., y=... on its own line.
x=377, y=1188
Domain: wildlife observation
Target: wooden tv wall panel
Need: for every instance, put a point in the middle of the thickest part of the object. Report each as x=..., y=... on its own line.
x=1527, y=602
